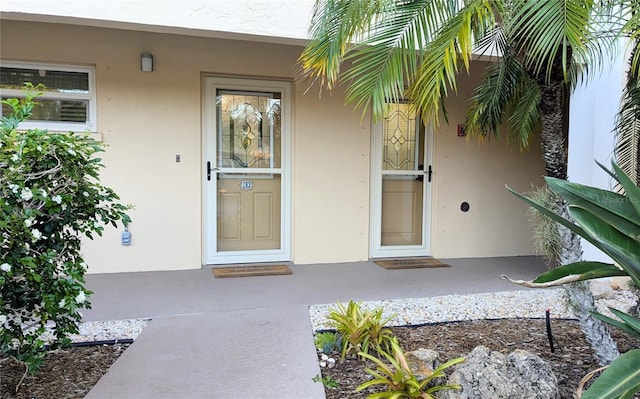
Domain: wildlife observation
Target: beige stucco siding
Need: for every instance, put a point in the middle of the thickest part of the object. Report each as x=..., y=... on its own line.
x=146, y=119
x=331, y=179
x=476, y=173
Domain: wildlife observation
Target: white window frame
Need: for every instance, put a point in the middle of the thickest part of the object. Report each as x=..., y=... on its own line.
x=89, y=126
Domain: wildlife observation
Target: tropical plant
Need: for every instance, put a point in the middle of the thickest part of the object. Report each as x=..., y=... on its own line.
x=546, y=240
x=611, y=222
x=390, y=51
x=328, y=342
x=627, y=128
x=399, y=380
x=414, y=50
x=360, y=329
x=51, y=198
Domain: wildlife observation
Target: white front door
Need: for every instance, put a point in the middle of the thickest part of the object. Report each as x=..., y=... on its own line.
x=246, y=141
x=401, y=184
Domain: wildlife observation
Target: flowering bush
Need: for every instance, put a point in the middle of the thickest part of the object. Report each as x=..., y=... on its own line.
x=51, y=197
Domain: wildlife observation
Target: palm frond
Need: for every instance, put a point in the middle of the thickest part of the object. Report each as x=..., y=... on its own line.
x=385, y=61
x=492, y=97
x=557, y=31
x=335, y=26
x=442, y=57
x=525, y=111
x=627, y=126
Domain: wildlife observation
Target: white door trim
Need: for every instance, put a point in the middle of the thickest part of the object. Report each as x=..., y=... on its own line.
x=377, y=250
x=210, y=229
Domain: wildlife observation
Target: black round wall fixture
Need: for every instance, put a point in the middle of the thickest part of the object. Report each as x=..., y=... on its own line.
x=464, y=207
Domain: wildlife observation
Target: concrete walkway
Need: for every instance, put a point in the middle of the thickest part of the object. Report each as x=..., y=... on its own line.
x=251, y=337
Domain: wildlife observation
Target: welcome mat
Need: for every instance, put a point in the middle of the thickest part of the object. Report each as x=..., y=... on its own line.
x=410, y=263
x=250, y=271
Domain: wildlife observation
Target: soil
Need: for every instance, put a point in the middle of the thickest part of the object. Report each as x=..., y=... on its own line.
x=66, y=373
x=71, y=373
x=571, y=360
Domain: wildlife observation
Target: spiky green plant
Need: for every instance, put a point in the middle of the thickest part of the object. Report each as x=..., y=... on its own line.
x=399, y=380
x=611, y=222
x=360, y=329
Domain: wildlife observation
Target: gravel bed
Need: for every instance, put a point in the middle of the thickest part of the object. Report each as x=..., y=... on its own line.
x=113, y=330
x=496, y=305
x=110, y=330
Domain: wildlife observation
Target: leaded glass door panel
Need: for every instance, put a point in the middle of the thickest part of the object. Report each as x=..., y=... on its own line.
x=246, y=182
x=401, y=184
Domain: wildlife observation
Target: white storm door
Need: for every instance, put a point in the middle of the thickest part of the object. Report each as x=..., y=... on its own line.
x=246, y=125
x=401, y=184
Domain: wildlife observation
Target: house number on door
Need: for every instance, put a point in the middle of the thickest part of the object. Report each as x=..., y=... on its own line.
x=246, y=185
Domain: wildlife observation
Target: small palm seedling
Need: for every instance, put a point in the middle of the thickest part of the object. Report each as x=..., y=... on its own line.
x=360, y=330
x=399, y=380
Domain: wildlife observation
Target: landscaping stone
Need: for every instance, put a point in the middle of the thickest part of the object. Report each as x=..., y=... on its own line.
x=422, y=362
x=493, y=375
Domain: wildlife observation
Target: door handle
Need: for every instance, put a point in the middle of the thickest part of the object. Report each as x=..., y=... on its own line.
x=429, y=171
x=210, y=169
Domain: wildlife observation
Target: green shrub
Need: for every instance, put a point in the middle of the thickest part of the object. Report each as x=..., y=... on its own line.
x=360, y=329
x=328, y=342
x=399, y=380
x=51, y=197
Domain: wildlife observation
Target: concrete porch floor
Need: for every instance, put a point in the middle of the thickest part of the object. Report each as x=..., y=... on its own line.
x=251, y=337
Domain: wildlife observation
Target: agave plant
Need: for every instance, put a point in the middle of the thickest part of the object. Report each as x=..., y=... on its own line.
x=611, y=222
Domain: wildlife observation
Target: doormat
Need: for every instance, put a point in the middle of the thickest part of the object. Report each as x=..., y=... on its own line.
x=250, y=271
x=410, y=263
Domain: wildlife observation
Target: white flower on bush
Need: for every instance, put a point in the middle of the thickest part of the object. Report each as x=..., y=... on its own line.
x=26, y=194
x=57, y=199
x=14, y=188
x=62, y=303
x=3, y=319
x=29, y=222
x=71, y=152
x=86, y=194
x=81, y=297
x=36, y=234
x=5, y=267
x=15, y=157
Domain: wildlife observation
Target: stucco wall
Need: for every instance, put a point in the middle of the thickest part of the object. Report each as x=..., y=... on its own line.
x=473, y=172
x=146, y=119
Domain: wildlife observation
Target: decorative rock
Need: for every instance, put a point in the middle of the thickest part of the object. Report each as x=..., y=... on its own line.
x=422, y=362
x=492, y=375
x=616, y=292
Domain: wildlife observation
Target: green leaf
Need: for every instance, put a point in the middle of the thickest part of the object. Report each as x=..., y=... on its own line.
x=624, y=250
x=547, y=212
x=629, y=324
x=622, y=377
x=616, y=209
x=585, y=269
x=630, y=188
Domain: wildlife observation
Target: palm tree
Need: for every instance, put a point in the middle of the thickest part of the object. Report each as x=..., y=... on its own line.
x=415, y=49
x=627, y=127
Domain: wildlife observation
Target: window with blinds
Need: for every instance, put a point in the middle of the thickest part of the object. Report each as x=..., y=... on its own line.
x=68, y=100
